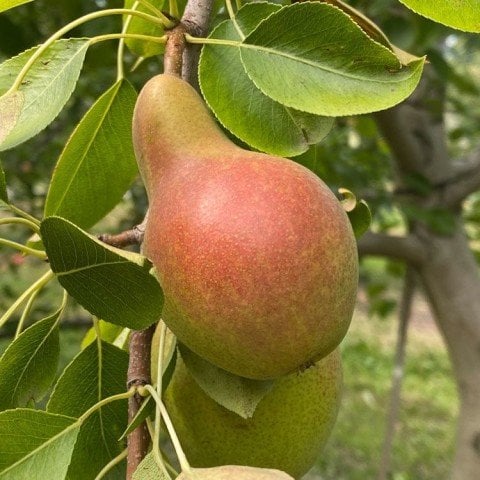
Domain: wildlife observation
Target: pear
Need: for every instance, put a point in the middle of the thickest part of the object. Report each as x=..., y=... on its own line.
x=255, y=255
x=287, y=431
x=233, y=472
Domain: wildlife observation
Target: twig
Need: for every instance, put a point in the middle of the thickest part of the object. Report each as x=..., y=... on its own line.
x=174, y=48
x=138, y=375
x=196, y=19
x=126, y=238
x=408, y=249
x=398, y=373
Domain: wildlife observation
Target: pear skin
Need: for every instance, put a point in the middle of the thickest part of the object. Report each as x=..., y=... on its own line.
x=288, y=430
x=256, y=257
x=234, y=472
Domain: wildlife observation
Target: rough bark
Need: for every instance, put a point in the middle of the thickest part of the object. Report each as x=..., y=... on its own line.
x=452, y=284
x=447, y=267
x=138, y=375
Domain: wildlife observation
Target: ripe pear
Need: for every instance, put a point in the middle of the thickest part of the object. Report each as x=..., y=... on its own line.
x=234, y=472
x=255, y=255
x=287, y=431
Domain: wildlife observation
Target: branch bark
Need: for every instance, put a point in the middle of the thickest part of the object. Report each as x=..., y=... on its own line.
x=462, y=186
x=196, y=19
x=408, y=249
x=398, y=373
x=138, y=375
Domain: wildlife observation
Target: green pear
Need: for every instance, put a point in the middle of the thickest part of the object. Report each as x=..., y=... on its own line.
x=287, y=431
x=233, y=472
x=256, y=257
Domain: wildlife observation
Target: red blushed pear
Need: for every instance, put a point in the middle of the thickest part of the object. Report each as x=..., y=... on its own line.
x=256, y=257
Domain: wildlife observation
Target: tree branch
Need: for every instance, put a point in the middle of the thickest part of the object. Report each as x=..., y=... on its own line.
x=462, y=185
x=415, y=132
x=126, y=238
x=405, y=310
x=138, y=441
x=174, y=49
x=408, y=249
x=196, y=19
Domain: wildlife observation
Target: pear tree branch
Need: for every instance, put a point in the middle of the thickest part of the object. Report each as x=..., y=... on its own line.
x=138, y=375
x=196, y=19
x=408, y=248
x=463, y=185
x=174, y=49
x=126, y=238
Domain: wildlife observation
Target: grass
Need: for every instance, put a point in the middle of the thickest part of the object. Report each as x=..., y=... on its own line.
x=424, y=441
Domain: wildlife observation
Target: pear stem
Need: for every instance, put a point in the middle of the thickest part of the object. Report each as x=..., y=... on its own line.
x=172, y=62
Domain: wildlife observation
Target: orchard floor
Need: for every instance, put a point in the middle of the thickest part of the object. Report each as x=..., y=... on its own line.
x=424, y=442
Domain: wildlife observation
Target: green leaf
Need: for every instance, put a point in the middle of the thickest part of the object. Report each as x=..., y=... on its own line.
x=315, y=58
x=108, y=332
x=94, y=374
x=11, y=105
x=462, y=14
x=140, y=26
x=29, y=364
x=369, y=27
x=240, y=106
x=97, y=164
x=358, y=212
x=112, y=284
x=349, y=200
x=237, y=394
x=45, y=89
x=35, y=445
x=148, y=470
x=3, y=186
x=169, y=352
x=360, y=218
x=8, y=4
x=146, y=410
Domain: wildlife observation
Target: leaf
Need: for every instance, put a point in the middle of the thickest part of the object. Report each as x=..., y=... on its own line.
x=112, y=284
x=360, y=218
x=3, y=186
x=146, y=410
x=8, y=4
x=46, y=87
x=148, y=470
x=313, y=57
x=97, y=164
x=349, y=200
x=140, y=26
x=169, y=352
x=237, y=394
x=358, y=212
x=11, y=105
x=463, y=14
x=29, y=365
x=240, y=106
x=369, y=27
x=94, y=374
x=108, y=332
x=35, y=445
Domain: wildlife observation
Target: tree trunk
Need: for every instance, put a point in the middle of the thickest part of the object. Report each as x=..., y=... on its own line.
x=451, y=279
x=446, y=265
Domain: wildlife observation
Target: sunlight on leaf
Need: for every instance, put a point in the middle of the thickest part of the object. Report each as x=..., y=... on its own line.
x=463, y=15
